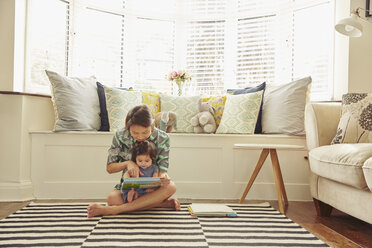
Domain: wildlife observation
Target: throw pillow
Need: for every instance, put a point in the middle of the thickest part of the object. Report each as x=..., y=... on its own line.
x=240, y=113
x=119, y=102
x=258, y=128
x=355, y=124
x=185, y=108
x=284, y=106
x=75, y=102
x=152, y=100
x=218, y=103
x=105, y=126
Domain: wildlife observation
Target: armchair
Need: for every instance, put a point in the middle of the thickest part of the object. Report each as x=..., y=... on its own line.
x=341, y=174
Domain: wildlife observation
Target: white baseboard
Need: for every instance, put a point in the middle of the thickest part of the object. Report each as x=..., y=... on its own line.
x=17, y=191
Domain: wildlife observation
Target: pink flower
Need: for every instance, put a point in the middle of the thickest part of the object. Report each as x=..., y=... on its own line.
x=179, y=75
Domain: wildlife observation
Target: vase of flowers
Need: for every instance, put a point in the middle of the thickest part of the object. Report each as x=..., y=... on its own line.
x=179, y=77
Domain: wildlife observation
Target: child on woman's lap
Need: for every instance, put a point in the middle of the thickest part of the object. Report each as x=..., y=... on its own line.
x=143, y=154
x=138, y=128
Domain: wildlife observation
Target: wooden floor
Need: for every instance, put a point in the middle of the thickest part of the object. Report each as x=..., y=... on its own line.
x=339, y=230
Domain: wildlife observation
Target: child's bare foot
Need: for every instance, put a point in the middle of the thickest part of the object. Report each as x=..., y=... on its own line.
x=171, y=203
x=131, y=195
x=95, y=209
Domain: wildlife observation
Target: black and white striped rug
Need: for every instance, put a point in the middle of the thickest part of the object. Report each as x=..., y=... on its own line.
x=66, y=225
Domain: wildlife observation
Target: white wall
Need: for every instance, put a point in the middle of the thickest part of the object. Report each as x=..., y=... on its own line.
x=7, y=14
x=19, y=115
x=360, y=55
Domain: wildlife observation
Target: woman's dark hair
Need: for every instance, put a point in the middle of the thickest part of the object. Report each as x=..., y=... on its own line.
x=139, y=115
x=144, y=148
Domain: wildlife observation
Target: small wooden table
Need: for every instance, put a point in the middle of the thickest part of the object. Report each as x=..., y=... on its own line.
x=266, y=149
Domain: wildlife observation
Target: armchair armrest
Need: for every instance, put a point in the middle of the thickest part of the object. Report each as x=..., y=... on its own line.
x=321, y=121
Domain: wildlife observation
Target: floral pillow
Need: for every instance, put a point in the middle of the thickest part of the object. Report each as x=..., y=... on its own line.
x=355, y=124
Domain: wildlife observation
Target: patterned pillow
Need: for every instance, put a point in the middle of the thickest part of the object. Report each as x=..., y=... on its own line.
x=152, y=100
x=240, y=113
x=355, y=124
x=102, y=105
x=218, y=102
x=185, y=108
x=119, y=102
x=258, y=128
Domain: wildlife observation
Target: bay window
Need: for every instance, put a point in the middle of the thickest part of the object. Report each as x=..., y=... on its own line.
x=222, y=44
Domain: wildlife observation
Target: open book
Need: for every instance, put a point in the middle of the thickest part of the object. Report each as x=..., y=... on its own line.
x=206, y=209
x=140, y=183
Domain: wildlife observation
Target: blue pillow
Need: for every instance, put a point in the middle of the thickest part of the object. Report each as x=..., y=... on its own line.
x=105, y=126
x=258, y=128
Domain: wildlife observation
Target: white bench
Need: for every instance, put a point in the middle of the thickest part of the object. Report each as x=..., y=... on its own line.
x=72, y=165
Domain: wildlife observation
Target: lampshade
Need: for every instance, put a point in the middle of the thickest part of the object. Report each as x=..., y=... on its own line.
x=350, y=26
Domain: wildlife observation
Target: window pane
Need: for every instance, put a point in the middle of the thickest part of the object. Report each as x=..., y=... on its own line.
x=107, y=4
x=154, y=54
x=98, y=46
x=152, y=6
x=46, y=42
x=315, y=59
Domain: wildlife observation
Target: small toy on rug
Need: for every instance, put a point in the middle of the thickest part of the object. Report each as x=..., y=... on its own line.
x=166, y=121
x=203, y=121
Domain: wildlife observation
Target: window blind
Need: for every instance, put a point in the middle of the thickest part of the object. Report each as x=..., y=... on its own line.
x=205, y=45
x=255, y=50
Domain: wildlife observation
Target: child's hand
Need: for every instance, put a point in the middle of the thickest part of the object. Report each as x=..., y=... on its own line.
x=156, y=173
x=133, y=169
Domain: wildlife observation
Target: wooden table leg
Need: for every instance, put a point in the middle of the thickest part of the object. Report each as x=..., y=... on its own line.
x=280, y=188
x=257, y=169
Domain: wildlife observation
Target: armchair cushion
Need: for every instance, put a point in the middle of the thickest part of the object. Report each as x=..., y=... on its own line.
x=342, y=163
x=367, y=169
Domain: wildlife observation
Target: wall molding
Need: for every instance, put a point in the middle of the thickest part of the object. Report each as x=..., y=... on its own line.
x=16, y=191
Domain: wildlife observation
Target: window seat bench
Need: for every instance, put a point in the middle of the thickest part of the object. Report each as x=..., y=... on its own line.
x=72, y=165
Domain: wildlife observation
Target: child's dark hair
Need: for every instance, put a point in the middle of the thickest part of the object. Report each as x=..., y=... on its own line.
x=143, y=148
x=139, y=115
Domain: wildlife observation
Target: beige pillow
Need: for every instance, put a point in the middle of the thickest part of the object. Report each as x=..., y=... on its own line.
x=284, y=106
x=75, y=102
x=355, y=124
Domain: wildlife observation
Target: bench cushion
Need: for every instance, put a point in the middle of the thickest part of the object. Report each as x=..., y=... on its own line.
x=342, y=162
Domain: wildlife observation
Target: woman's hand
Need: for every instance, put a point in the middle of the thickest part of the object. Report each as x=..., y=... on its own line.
x=133, y=169
x=164, y=178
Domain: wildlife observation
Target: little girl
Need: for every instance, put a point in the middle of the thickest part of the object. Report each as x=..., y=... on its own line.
x=143, y=154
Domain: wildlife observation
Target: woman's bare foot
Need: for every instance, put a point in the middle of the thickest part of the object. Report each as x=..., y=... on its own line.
x=95, y=209
x=170, y=203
